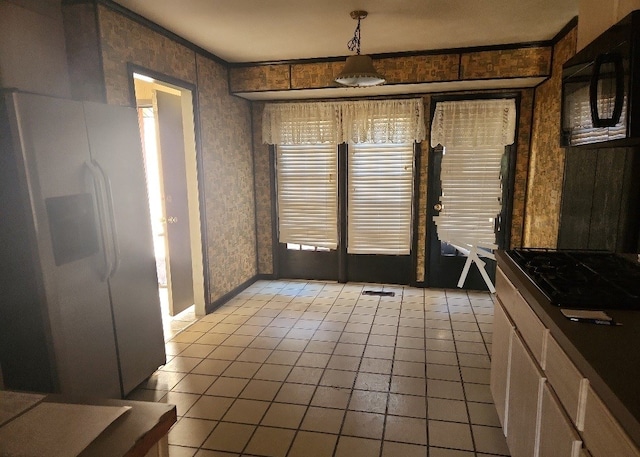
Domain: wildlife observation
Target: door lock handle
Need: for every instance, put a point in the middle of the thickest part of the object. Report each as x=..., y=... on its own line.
x=437, y=207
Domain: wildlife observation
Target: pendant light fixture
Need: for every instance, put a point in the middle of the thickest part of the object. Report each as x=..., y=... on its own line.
x=358, y=70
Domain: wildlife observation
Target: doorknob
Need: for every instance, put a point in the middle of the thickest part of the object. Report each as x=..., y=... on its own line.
x=437, y=207
x=172, y=220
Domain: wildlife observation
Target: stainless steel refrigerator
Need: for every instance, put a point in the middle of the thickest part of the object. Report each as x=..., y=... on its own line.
x=79, y=305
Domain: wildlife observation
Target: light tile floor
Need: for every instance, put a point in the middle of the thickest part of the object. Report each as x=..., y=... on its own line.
x=312, y=369
x=172, y=325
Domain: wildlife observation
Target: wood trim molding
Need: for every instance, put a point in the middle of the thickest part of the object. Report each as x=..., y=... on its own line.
x=395, y=55
x=566, y=29
x=212, y=306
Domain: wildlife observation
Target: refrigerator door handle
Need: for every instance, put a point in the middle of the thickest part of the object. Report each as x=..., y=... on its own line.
x=97, y=180
x=112, y=218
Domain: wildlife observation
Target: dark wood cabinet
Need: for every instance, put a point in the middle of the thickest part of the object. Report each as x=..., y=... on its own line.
x=600, y=200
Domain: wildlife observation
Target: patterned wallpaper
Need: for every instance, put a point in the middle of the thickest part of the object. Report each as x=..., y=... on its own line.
x=422, y=195
x=506, y=63
x=225, y=127
x=247, y=79
x=262, y=179
x=314, y=75
x=225, y=140
x=546, y=169
x=418, y=69
x=509, y=63
x=126, y=41
x=522, y=167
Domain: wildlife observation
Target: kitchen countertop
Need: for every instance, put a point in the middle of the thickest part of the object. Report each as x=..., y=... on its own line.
x=132, y=434
x=609, y=356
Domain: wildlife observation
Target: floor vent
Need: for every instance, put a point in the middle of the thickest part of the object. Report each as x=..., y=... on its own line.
x=378, y=292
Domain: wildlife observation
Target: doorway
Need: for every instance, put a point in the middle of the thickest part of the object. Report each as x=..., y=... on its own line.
x=357, y=213
x=167, y=131
x=470, y=192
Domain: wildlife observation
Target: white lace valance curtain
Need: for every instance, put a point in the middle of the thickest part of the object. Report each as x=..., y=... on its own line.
x=475, y=123
x=369, y=121
x=300, y=123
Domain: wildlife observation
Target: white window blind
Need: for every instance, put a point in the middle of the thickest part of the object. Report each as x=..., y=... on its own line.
x=307, y=189
x=474, y=134
x=380, y=183
x=471, y=195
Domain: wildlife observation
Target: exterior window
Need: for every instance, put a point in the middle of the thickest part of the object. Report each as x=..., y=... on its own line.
x=307, y=189
x=380, y=189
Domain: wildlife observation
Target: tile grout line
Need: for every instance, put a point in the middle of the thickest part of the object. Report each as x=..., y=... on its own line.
x=283, y=382
x=308, y=405
x=222, y=373
x=426, y=373
x=393, y=360
x=374, y=312
x=464, y=390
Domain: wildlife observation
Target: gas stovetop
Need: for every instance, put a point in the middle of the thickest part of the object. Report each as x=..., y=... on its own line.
x=582, y=279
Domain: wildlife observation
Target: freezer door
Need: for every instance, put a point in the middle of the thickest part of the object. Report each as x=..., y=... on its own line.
x=114, y=139
x=50, y=150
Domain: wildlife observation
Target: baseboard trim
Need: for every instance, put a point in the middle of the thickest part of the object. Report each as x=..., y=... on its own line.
x=212, y=306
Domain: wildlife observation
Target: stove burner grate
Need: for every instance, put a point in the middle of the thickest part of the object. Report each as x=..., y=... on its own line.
x=582, y=279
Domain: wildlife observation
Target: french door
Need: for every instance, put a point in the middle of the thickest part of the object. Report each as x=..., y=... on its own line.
x=379, y=201
x=470, y=190
x=373, y=216
x=444, y=261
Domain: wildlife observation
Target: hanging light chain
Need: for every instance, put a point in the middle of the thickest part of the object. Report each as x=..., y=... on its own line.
x=354, y=43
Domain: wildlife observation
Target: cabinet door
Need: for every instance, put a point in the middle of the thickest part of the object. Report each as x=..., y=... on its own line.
x=500, y=355
x=603, y=435
x=525, y=389
x=598, y=200
x=568, y=383
x=558, y=438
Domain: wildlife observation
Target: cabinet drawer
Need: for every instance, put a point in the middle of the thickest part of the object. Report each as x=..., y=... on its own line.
x=505, y=290
x=530, y=327
x=568, y=383
x=526, y=321
x=558, y=437
x=603, y=435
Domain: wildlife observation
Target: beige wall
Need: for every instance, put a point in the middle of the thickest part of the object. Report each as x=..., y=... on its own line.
x=32, y=47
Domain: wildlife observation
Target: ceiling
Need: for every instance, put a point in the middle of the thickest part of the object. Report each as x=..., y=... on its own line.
x=274, y=30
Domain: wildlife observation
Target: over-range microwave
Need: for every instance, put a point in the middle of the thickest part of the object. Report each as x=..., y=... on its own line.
x=601, y=89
